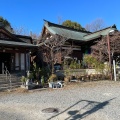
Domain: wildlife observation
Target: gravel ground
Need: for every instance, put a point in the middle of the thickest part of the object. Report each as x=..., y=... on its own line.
x=78, y=101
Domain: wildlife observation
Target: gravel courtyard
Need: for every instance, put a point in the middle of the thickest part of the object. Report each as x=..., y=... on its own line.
x=78, y=101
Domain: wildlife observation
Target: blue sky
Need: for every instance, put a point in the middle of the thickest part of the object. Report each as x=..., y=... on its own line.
x=30, y=13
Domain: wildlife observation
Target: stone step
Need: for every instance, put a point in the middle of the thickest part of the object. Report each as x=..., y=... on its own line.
x=8, y=87
x=4, y=75
x=4, y=88
x=12, y=83
x=4, y=80
x=11, y=76
x=5, y=84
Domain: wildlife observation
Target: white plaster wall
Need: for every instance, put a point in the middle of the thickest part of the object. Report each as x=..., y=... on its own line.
x=16, y=61
x=91, y=71
x=22, y=61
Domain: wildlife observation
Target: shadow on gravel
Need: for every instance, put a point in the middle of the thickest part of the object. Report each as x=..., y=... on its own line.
x=90, y=108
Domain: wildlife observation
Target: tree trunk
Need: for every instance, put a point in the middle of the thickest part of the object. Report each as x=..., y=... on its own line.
x=52, y=65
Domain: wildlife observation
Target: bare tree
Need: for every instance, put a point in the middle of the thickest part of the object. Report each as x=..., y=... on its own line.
x=100, y=49
x=23, y=31
x=51, y=47
x=20, y=30
x=96, y=25
x=60, y=20
x=34, y=35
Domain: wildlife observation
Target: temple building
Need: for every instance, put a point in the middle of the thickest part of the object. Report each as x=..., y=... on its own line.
x=14, y=51
x=79, y=41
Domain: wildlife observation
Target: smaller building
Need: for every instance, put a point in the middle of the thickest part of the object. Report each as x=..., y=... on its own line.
x=15, y=51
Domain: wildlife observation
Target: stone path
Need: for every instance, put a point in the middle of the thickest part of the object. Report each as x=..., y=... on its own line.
x=79, y=101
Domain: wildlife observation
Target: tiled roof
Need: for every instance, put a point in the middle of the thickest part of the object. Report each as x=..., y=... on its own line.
x=99, y=33
x=65, y=31
x=15, y=40
x=75, y=34
x=20, y=44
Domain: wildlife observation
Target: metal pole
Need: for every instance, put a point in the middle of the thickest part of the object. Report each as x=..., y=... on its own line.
x=108, y=41
x=114, y=70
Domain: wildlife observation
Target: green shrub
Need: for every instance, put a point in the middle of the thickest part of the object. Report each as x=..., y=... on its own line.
x=30, y=76
x=74, y=65
x=42, y=81
x=23, y=79
x=52, y=78
x=90, y=61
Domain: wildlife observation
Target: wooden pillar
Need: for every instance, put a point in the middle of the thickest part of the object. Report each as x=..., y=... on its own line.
x=14, y=60
x=25, y=62
x=19, y=61
x=29, y=61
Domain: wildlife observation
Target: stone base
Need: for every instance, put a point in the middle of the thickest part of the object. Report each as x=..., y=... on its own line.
x=28, y=87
